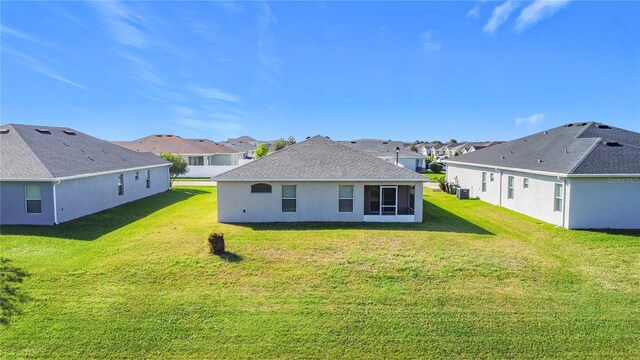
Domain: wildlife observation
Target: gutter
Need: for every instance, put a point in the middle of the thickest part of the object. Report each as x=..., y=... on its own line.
x=86, y=175
x=320, y=180
x=554, y=174
x=55, y=203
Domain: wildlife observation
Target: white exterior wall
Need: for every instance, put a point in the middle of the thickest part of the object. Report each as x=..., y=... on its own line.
x=536, y=201
x=207, y=170
x=84, y=196
x=315, y=201
x=13, y=204
x=601, y=203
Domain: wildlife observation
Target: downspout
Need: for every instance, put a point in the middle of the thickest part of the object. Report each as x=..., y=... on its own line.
x=564, y=200
x=500, y=189
x=55, y=203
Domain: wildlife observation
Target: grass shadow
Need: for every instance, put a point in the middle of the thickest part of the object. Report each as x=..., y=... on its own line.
x=230, y=257
x=11, y=296
x=93, y=226
x=435, y=218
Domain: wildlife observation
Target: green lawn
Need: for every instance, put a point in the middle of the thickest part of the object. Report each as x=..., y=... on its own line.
x=473, y=281
x=192, y=179
x=434, y=177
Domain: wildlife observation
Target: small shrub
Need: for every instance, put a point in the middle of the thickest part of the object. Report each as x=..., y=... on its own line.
x=435, y=167
x=216, y=243
x=442, y=184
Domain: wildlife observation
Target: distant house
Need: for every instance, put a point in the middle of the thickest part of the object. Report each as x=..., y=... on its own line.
x=579, y=176
x=386, y=150
x=319, y=180
x=49, y=175
x=245, y=144
x=205, y=157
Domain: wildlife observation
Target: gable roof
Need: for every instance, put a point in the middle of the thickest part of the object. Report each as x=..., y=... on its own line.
x=174, y=144
x=30, y=152
x=577, y=148
x=321, y=159
x=381, y=148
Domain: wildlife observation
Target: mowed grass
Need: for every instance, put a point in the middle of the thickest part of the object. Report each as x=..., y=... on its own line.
x=473, y=281
x=434, y=177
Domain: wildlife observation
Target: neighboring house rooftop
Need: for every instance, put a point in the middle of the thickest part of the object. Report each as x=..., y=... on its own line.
x=381, y=148
x=319, y=158
x=174, y=144
x=575, y=148
x=30, y=152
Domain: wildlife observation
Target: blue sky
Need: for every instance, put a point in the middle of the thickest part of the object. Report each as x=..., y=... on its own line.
x=391, y=70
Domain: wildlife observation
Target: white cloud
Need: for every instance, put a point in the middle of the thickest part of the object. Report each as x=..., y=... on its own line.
x=39, y=66
x=17, y=34
x=534, y=119
x=499, y=15
x=123, y=24
x=224, y=127
x=267, y=57
x=474, y=12
x=215, y=94
x=537, y=11
x=428, y=43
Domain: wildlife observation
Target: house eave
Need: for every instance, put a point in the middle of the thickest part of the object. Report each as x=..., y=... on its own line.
x=319, y=180
x=537, y=172
x=63, y=178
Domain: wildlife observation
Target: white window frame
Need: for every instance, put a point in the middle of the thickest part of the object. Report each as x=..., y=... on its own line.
x=510, y=187
x=27, y=198
x=121, y=185
x=525, y=183
x=346, y=198
x=295, y=198
x=558, y=197
x=148, y=179
x=484, y=181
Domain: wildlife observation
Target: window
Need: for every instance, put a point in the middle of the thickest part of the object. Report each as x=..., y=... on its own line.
x=484, y=181
x=196, y=160
x=525, y=183
x=260, y=188
x=33, y=199
x=510, y=187
x=121, y=184
x=148, y=179
x=288, y=198
x=558, y=197
x=137, y=175
x=491, y=177
x=345, y=198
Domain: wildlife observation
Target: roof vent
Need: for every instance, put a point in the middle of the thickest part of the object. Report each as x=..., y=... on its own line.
x=156, y=136
x=546, y=132
x=583, y=124
x=82, y=151
x=569, y=125
x=524, y=140
x=169, y=135
x=511, y=151
x=308, y=137
x=123, y=159
x=612, y=143
x=502, y=157
x=200, y=140
x=103, y=151
x=603, y=126
x=65, y=144
x=566, y=151
x=44, y=131
x=69, y=132
x=353, y=142
x=327, y=137
x=90, y=158
x=539, y=161
x=385, y=142
x=4, y=131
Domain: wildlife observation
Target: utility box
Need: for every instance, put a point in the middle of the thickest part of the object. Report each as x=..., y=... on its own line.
x=453, y=188
x=462, y=194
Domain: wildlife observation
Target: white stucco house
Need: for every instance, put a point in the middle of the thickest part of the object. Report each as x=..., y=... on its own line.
x=49, y=175
x=205, y=157
x=578, y=176
x=319, y=180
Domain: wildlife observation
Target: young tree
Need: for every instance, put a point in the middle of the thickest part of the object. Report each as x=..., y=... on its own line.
x=261, y=151
x=290, y=141
x=453, y=141
x=178, y=167
x=278, y=144
x=413, y=148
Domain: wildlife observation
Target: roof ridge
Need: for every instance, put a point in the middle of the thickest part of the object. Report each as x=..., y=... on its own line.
x=586, y=154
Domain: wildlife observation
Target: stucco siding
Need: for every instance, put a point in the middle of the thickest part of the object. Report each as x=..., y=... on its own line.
x=13, y=205
x=536, y=201
x=315, y=201
x=601, y=203
x=84, y=196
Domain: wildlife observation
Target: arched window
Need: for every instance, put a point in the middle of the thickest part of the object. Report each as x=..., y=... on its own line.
x=260, y=188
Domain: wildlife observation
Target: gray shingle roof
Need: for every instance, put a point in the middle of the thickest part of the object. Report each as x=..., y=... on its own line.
x=174, y=144
x=27, y=153
x=319, y=158
x=577, y=148
x=381, y=148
